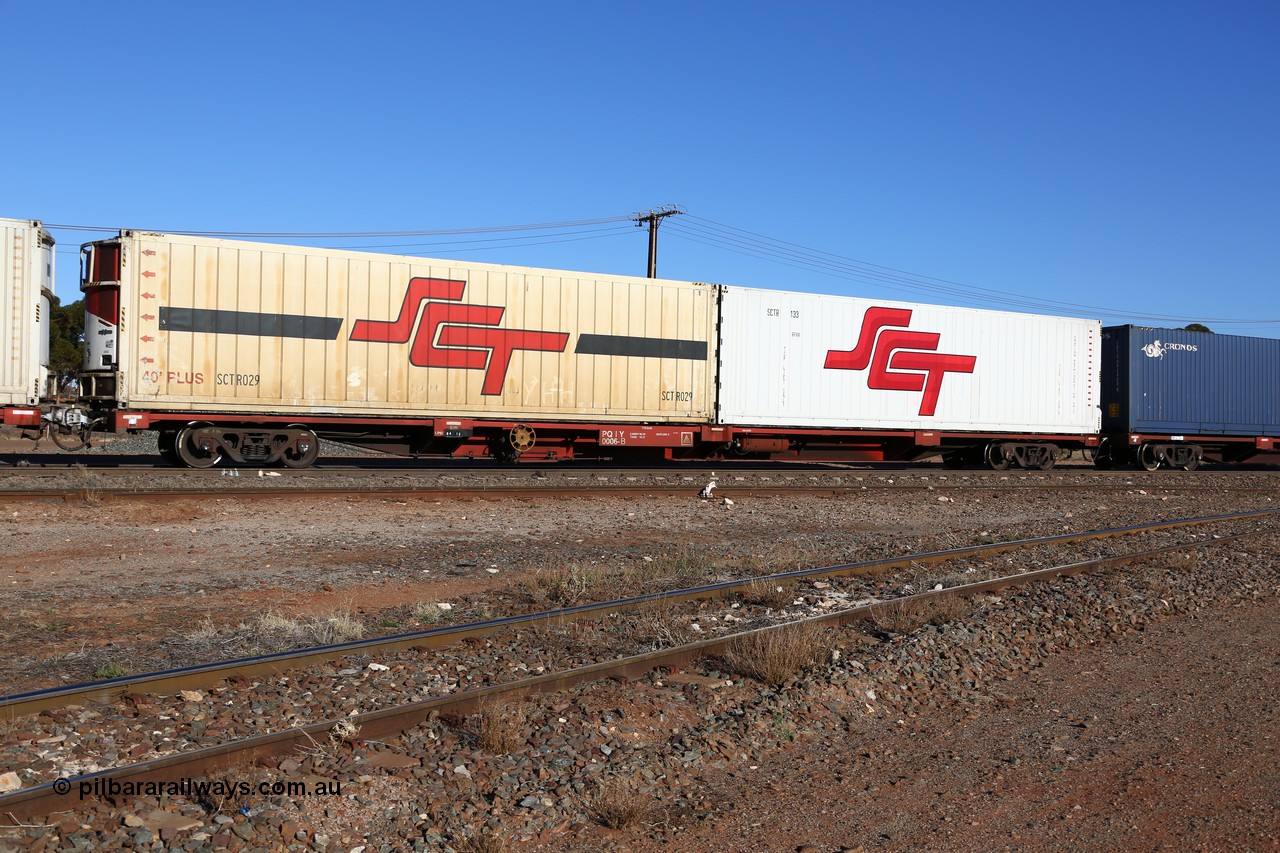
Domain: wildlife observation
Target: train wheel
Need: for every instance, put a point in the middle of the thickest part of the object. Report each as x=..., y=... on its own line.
x=1047, y=461
x=191, y=455
x=995, y=457
x=69, y=438
x=306, y=454
x=1144, y=457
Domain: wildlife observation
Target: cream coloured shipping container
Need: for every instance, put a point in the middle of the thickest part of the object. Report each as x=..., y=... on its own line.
x=235, y=327
x=27, y=289
x=804, y=360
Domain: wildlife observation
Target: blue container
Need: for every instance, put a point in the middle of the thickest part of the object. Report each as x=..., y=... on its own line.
x=1175, y=382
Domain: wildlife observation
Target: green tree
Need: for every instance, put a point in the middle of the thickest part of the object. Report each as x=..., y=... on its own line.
x=66, y=342
x=1196, y=327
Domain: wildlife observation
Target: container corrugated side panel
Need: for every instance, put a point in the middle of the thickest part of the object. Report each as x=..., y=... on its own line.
x=23, y=313
x=1197, y=383
x=1008, y=372
x=249, y=327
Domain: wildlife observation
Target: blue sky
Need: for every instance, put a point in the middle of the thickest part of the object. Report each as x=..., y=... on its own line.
x=1110, y=160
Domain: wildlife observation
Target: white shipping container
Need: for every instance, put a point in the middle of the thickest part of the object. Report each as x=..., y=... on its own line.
x=805, y=360
x=230, y=326
x=27, y=285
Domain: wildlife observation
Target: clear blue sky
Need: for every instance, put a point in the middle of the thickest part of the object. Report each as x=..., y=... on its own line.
x=1122, y=158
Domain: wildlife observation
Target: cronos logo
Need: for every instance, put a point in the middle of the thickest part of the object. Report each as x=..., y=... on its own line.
x=900, y=359
x=1155, y=349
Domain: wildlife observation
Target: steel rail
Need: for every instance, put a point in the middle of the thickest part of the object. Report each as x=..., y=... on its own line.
x=204, y=675
x=97, y=494
x=63, y=794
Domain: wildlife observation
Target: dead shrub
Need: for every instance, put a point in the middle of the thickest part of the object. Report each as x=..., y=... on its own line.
x=616, y=806
x=343, y=731
x=500, y=727
x=658, y=624
x=777, y=654
x=223, y=793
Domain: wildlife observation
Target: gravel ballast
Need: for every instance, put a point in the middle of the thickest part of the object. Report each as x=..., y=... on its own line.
x=711, y=755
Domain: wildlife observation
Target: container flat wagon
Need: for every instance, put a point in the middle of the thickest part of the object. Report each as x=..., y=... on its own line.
x=248, y=351
x=903, y=380
x=26, y=288
x=1172, y=397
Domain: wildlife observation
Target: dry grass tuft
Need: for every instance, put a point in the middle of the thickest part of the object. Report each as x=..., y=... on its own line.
x=575, y=583
x=273, y=628
x=960, y=578
x=273, y=632
x=110, y=670
x=764, y=593
x=616, y=806
x=785, y=556
x=686, y=564
x=565, y=586
x=778, y=654
x=428, y=613
x=905, y=615
x=1159, y=587
x=484, y=841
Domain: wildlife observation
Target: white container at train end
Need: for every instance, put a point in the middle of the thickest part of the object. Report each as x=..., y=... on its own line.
x=227, y=326
x=806, y=360
x=26, y=286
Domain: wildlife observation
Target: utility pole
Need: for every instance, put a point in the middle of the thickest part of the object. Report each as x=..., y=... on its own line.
x=653, y=217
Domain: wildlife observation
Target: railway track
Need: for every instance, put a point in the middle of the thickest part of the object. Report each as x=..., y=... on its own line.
x=188, y=678
x=385, y=721
x=110, y=484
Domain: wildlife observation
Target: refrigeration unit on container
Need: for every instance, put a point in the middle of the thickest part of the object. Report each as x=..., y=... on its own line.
x=1172, y=396
x=828, y=362
x=227, y=328
x=25, y=302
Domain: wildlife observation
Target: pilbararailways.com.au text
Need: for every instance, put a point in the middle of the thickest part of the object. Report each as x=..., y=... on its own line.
x=105, y=786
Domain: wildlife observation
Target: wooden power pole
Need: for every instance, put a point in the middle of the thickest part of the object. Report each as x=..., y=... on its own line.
x=653, y=217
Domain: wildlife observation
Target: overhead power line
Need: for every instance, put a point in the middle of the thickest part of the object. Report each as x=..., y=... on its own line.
x=706, y=232
x=742, y=241
x=343, y=235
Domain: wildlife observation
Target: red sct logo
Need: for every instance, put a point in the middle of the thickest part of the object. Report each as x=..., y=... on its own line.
x=455, y=335
x=900, y=360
